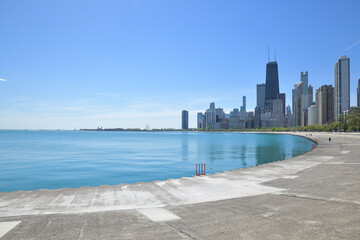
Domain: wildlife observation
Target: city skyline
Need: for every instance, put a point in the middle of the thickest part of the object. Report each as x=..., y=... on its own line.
x=271, y=110
x=135, y=63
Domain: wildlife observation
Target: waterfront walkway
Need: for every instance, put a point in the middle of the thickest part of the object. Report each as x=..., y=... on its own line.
x=312, y=196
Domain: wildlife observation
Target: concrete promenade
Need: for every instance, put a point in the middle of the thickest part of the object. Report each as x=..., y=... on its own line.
x=312, y=196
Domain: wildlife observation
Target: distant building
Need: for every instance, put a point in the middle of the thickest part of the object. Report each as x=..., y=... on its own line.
x=234, y=122
x=235, y=112
x=210, y=116
x=250, y=120
x=260, y=96
x=214, y=118
x=342, y=86
x=257, y=117
x=288, y=116
x=324, y=97
x=272, y=85
x=304, y=118
x=296, y=103
x=243, y=107
x=312, y=115
x=282, y=96
x=204, y=122
x=200, y=117
x=288, y=110
x=278, y=115
x=185, y=119
x=358, y=94
x=243, y=115
x=302, y=98
x=297, y=112
x=265, y=118
x=310, y=94
x=274, y=110
x=304, y=95
x=220, y=115
x=278, y=106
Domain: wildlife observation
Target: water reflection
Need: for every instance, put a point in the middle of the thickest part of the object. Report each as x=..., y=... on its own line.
x=243, y=155
x=185, y=147
x=269, y=153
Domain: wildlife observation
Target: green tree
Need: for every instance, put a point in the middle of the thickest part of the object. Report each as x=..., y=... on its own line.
x=354, y=119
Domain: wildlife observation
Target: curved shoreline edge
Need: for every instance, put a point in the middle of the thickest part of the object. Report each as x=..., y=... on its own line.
x=239, y=183
x=234, y=132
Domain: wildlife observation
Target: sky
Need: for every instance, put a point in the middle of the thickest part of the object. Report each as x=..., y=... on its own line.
x=131, y=63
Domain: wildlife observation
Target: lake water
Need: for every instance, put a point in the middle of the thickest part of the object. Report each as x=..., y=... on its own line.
x=31, y=160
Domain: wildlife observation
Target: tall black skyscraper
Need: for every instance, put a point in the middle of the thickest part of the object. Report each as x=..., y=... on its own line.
x=272, y=81
x=185, y=119
x=272, y=85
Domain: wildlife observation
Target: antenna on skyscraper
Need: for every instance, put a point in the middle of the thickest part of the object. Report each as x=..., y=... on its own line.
x=275, y=54
x=268, y=53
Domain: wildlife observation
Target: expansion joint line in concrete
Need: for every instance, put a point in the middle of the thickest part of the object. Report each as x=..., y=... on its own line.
x=185, y=232
x=336, y=200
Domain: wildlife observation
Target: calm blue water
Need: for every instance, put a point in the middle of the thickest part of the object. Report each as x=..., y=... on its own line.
x=32, y=160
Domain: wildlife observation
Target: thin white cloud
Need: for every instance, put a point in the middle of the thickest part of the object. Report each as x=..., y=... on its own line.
x=19, y=99
x=352, y=46
x=2, y=80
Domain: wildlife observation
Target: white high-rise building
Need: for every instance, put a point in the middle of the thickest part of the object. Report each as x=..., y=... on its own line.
x=312, y=115
x=304, y=97
x=342, y=86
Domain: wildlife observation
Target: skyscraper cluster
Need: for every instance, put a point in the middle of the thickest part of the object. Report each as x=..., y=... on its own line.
x=271, y=110
x=330, y=102
x=215, y=118
x=302, y=99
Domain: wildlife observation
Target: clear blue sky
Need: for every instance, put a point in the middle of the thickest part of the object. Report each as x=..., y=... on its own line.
x=83, y=64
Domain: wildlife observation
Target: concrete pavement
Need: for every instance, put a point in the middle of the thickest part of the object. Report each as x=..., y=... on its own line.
x=312, y=196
